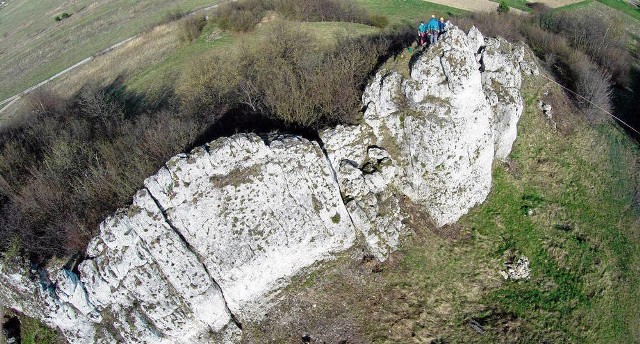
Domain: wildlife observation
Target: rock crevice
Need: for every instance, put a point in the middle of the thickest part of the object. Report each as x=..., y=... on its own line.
x=188, y=246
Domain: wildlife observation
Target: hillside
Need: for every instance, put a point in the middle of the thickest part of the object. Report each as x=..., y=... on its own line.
x=34, y=46
x=564, y=200
x=451, y=194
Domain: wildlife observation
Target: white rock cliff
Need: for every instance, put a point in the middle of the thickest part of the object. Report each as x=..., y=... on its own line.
x=213, y=237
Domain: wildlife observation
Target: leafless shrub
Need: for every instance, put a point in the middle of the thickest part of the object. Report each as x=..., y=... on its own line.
x=209, y=84
x=191, y=28
x=239, y=16
x=493, y=25
x=568, y=45
x=539, y=8
x=594, y=88
x=42, y=101
x=243, y=15
x=165, y=131
x=100, y=108
x=379, y=21
x=322, y=10
x=63, y=173
x=288, y=78
x=564, y=110
x=604, y=40
x=173, y=15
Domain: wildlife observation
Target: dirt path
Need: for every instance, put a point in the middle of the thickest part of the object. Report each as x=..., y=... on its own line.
x=558, y=3
x=469, y=5
x=6, y=103
x=489, y=6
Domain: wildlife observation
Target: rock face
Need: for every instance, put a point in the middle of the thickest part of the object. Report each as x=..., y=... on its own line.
x=211, y=239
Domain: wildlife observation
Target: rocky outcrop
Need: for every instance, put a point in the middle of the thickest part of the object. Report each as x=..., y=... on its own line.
x=437, y=133
x=211, y=234
x=212, y=238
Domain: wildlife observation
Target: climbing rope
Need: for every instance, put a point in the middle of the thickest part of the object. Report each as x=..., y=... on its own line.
x=590, y=102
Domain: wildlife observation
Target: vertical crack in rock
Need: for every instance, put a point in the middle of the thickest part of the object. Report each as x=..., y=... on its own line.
x=168, y=221
x=446, y=76
x=335, y=177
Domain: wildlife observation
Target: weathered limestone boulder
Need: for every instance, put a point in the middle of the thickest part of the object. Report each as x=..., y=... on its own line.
x=213, y=237
x=201, y=248
x=146, y=280
x=255, y=214
x=65, y=307
x=212, y=234
x=476, y=40
x=366, y=173
x=441, y=127
x=501, y=81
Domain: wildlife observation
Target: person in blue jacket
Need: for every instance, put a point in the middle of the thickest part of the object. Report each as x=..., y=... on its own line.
x=433, y=27
x=422, y=33
x=441, y=26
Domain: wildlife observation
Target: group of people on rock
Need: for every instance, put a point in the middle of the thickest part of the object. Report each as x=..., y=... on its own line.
x=429, y=32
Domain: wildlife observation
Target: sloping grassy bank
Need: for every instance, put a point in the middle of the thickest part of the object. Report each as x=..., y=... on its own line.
x=567, y=199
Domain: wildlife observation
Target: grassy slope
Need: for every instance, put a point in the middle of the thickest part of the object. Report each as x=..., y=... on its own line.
x=34, y=46
x=623, y=6
x=34, y=332
x=408, y=11
x=519, y=4
x=562, y=201
x=580, y=238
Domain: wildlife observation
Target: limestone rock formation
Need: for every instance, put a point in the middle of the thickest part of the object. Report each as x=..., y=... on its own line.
x=213, y=237
x=366, y=174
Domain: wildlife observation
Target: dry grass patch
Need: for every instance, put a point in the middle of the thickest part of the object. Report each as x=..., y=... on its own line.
x=35, y=46
x=129, y=59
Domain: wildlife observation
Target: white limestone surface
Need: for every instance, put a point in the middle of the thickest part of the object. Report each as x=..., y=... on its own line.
x=501, y=82
x=438, y=127
x=254, y=213
x=365, y=173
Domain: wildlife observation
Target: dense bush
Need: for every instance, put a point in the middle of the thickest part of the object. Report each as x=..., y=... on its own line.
x=491, y=25
x=287, y=78
x=379, y=21
x=321, y=10
x=583, y=52
x=244, y=15
x=240, y=16
x=173, y=15
x=503, y=7
x=74, y=163
x=64, y=15
x=605, y=41
x=593, y=86
x=191, y=28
